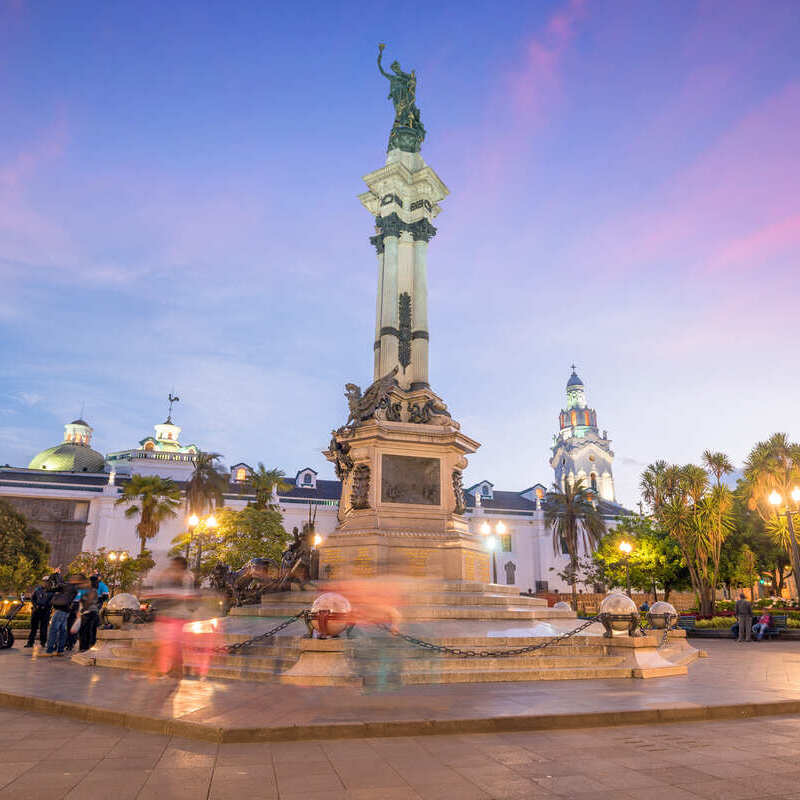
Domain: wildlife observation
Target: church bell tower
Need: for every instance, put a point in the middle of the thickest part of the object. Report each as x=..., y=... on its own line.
x=579, y=451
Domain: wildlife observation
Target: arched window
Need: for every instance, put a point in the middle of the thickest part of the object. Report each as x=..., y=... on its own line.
x=485, y=490
x=241, y=474
x=593, y=478
x=574, y=418
x=587, y=418
x=307, y=479
x=540, y=492
x=149, y=446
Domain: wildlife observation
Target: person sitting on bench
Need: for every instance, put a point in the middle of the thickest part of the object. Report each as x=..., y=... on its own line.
x=762, y=626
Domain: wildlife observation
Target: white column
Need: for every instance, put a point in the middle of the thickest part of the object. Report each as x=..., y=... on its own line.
x=378, y=315
x=405, y=284
x=389, y=311
x=419, y=308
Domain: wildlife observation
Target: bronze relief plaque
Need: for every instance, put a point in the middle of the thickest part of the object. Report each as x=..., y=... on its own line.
x=410, y=479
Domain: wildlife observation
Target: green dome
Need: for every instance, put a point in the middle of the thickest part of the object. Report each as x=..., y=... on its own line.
x=68, y=457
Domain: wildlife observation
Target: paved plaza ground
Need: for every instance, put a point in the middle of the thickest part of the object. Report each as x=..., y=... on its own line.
x=736, y=680
x=54, y=755
x=48, y=758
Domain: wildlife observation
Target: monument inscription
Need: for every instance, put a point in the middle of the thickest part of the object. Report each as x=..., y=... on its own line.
x=410, y=479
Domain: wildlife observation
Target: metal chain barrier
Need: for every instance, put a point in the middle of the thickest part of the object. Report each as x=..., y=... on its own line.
x=456, y=651
x=234, y=648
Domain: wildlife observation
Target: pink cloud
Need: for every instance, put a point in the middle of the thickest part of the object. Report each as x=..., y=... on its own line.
x=537, y=81
x=26, y=235
x=738, y=197
x=751, y=250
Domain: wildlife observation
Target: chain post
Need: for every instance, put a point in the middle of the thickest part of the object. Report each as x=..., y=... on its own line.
x=233, y=648
x=456, y=651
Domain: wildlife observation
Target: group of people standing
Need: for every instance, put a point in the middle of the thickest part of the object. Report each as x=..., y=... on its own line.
x=66, y=611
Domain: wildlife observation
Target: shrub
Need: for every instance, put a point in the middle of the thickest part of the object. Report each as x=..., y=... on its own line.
x=715, y=623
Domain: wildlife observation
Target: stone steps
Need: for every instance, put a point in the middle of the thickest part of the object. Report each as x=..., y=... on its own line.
x=515, y=674
x=511, y=662
x=424, y=612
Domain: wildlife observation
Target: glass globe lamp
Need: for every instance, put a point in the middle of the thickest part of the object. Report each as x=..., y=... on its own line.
x=330, y=614
x=619, y=615
x=662, y=615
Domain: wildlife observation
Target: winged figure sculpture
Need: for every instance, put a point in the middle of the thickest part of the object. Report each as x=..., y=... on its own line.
x=363, y=407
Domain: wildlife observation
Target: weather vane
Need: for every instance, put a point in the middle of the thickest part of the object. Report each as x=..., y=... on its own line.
x=172, y=399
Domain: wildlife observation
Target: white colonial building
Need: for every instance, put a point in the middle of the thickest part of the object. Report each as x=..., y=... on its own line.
x=70, y=493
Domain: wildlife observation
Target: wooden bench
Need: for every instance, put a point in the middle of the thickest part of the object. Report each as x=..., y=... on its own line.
x=777, y=627
x=687, y=622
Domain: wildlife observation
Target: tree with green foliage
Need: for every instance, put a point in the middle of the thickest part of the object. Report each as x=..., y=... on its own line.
x=746, y=570
x=154, y=499
x=573, y=517
x=238, y=536
x=750, y=529
x=205, y=489
x=696, y=515
x=266, y=481
x=774, y=466
x=655, y=561
x=120, y=576
x=24, y=553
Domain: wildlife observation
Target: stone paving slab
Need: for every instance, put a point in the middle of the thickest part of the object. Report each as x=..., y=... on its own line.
x=49, y=758
x=737, y=680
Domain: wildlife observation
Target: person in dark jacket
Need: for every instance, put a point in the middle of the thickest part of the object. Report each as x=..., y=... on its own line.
x=40, y=613
x=81, y=584
x=62, y=603
x=89, y=606
x=744, y=615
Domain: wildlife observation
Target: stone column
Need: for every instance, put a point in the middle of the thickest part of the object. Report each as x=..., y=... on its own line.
x=378, y=313
x=389, y=310
x=419, y=336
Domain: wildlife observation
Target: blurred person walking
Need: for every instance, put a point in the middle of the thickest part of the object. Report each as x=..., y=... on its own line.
x=173, y=591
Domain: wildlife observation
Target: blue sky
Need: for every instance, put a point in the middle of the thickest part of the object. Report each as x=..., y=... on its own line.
x=178, y=212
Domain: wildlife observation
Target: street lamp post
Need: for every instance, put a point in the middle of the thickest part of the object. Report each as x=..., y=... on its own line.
x=191, y=524
x=776, y=500
x=625, y=549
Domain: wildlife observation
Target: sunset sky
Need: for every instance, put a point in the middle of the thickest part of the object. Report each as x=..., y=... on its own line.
x=178, y=212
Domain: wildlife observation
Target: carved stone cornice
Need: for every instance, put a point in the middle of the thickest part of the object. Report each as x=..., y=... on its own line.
x=392, y=225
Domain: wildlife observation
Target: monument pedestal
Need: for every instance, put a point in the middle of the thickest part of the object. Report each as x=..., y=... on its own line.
x=323, y=662
x=402, y=504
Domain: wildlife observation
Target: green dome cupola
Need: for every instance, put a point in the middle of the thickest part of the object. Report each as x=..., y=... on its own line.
x=74, y=454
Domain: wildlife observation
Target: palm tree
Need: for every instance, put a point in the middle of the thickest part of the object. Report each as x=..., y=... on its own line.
x=774, y=466
x=264, y=481
x=152, y=497
x=205, y=490
x=573, y=518
x=721, y=508
x=718, y=464
x=696, y=516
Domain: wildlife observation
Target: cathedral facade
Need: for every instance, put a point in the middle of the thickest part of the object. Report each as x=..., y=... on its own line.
x=69, y=492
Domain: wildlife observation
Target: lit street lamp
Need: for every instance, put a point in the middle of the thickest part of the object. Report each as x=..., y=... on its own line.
x=776, y=500
x=209, y=523
x=491, y=542
x=625, y=549
x=117, y=559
